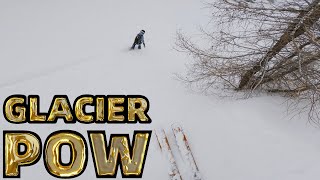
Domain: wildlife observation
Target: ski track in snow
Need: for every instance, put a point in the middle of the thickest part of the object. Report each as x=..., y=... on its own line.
x=42, y=47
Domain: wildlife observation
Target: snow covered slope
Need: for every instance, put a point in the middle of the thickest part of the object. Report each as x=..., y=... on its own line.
x=79, y=47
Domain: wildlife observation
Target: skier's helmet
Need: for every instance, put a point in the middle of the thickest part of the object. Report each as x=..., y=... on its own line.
x=143, y=31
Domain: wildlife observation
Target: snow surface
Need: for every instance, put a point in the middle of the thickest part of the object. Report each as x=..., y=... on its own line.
x=79, y=47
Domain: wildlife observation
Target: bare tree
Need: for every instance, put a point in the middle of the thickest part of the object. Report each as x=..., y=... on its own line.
x=260, y=46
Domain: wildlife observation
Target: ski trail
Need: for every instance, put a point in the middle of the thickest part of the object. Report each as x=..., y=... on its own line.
x=46, y=72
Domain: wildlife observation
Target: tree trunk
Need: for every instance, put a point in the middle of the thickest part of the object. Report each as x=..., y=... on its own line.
x=294, y=30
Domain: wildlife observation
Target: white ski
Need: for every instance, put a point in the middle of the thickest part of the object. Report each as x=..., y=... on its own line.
x=174, y=173
x=185, y=150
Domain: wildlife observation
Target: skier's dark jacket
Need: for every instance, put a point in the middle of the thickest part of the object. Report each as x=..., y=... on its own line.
x=139, y=38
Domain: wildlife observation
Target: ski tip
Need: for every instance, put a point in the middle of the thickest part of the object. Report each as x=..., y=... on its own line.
x=176, y=124
x=176, y=127
x=159, y=130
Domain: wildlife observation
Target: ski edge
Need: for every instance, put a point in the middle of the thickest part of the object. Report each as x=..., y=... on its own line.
x=185, y=150
x=164, y=145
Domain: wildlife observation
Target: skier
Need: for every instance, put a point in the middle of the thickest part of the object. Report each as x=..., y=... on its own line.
x=139, y=40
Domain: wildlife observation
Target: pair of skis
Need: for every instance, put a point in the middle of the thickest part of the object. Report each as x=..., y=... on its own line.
x=184, y=149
